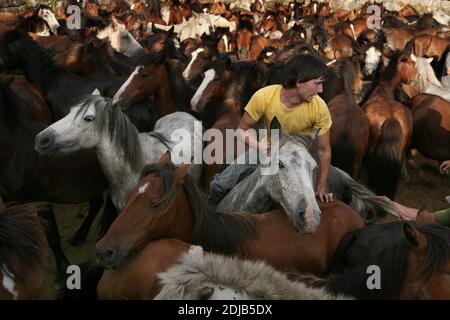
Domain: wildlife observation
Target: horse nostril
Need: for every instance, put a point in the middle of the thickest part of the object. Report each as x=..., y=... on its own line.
x=105, y=255
x=44, y=142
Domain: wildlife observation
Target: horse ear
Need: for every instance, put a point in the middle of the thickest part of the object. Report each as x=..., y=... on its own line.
x=429, y=60
x=181, y=172
x=96, y=92
x=410, y=234
x=170, y=32
x=415, y=238
x=165, y=158
x=413, y=57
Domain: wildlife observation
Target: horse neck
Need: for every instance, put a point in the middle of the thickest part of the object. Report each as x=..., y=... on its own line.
x=121, y=175
x=183, y=227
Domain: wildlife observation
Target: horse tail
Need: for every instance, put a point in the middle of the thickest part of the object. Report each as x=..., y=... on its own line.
x=342, y=152
x=226, y=234
x=91, y=274
x=357, y=196
x=386, y=161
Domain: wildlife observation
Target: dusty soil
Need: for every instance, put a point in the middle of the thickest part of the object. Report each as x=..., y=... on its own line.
x=424, y=187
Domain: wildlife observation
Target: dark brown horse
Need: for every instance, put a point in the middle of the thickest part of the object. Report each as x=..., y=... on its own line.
x=350, y=129
x=21, y=252
x=390, y=126
x=431, y=130
x=414, y=262
x=166, y=204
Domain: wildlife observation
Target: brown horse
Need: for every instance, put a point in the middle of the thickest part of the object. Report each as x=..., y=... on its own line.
x=167, y=204
x=28, y=99
x=21, y=255
x=350, y=129
x=340, y=46
x=430, y=46
x=414, y=261
x=431, y=133
x=158, y=78
x=390, y=126
x=137, y=277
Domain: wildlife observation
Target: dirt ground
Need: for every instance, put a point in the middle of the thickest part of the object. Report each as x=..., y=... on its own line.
x=424, y=187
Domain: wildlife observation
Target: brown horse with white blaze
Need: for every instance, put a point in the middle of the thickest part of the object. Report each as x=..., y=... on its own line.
x=166, y=204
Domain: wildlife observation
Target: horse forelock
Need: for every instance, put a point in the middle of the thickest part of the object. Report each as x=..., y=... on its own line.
x=110, y=120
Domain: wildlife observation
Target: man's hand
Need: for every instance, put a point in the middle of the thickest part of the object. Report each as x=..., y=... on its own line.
x=445, y=166
x=323, y=195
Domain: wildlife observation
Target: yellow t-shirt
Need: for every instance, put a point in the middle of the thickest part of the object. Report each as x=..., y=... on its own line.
x=305, y=119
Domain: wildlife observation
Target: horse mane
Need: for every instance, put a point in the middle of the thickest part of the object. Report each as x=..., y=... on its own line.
x=182, y=92
x=112, y=121
x=20, y=238
x=215, y=231
x=391, y=68
x=393, y=257
x=196, y=271
x=346, y=72
x=244, y=74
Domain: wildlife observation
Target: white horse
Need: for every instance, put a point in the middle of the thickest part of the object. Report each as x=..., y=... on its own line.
x=428, y=83
x=48, y=16
x=207, y=276
x=120, y=39
x=123, y=152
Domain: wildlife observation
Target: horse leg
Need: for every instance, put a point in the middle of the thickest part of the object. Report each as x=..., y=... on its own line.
x=54, y=242
x=81, y=234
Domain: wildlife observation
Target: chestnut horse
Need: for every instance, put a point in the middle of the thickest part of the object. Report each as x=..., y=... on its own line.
x=431, y=133
x=390, y=126
x=21, y=256
x=160, y=79
x=167, y=204
x=414, y=262
x=350, y=130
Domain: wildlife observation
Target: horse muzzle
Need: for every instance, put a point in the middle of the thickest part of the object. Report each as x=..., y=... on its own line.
x=45, y=142
x=107, y=258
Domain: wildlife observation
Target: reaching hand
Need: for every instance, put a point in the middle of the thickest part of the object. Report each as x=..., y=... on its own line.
x=323, y=195
x=445, y=166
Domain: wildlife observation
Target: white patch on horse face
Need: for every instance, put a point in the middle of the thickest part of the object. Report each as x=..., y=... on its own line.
x=194, y=54
x=8, y=282
x=225, y=42
x=144, y=188
x=209, y=76
x=371, y=60
x=125, y=84
x=50, y=18
x=352, y=27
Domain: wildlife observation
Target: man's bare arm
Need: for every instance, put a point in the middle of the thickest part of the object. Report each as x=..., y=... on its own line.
x=325, y=159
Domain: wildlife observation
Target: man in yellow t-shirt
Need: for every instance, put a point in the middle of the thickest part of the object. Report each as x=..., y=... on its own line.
x=298, y=109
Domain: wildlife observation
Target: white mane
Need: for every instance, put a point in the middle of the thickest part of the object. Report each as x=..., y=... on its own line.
x=208, y=276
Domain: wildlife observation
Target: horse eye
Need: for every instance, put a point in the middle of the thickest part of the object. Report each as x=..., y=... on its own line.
x=144, y=75
x=154, y=204
x=89, y=118
x=281, y=164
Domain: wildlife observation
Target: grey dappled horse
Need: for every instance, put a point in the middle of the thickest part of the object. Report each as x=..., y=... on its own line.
x=121, y=150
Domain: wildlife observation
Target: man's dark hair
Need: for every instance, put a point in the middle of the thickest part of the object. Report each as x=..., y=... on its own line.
x=303, y=68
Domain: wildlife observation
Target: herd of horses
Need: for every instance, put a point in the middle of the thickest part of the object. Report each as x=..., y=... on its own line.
x=86, y=115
